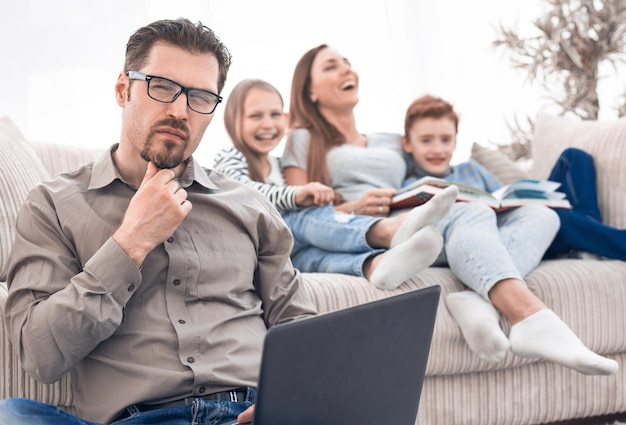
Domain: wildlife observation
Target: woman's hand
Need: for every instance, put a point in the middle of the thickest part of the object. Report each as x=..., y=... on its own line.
x=374, y=202
x=314, y=193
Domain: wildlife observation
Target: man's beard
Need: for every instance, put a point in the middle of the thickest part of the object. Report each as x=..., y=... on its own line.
x=169, y=157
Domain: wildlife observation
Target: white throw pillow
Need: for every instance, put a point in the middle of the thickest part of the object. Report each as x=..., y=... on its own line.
x=503, y=167
x=20, y=171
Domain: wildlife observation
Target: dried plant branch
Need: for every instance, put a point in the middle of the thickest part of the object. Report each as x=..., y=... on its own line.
x=621, y=109
x=520, y=148
x=574, y=38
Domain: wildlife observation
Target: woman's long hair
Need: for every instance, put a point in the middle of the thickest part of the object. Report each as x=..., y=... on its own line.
x=303, y=113
x=233, y=118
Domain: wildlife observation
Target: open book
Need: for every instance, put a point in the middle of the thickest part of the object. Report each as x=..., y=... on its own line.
x=516, y=194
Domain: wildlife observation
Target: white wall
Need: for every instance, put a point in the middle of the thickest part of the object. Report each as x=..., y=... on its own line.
x=61, y=59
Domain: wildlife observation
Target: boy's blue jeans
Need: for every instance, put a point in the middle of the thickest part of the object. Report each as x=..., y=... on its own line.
x=19, y=411
x=581, y=227
x=483, y=247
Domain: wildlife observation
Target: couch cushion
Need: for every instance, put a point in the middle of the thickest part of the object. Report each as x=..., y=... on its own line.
x=20, y=171
x=586, y=294
x=504, y=168
x=604, y=140
x=58, y=158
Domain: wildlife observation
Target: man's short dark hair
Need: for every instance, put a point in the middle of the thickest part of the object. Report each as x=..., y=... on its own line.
x=180, y=32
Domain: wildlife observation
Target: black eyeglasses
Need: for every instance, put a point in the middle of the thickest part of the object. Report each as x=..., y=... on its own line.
x=167, y=91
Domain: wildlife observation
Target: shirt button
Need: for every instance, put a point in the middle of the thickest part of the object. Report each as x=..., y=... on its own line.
x=182, y=322
x=176, y=282
x=131, y=288
x=201, y=390
x=190, y=360
x=170, y=239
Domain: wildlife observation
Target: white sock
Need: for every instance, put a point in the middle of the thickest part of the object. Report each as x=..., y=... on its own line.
x=480, y=324
x=543, y=334
x=408, y=258
x=432, y=211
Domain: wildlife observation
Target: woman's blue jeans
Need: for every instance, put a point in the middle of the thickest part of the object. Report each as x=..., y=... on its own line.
x=329, y=241
x=581, y=227
x=19, y=411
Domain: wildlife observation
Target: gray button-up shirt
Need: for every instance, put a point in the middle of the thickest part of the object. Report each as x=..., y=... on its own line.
x=191, y=321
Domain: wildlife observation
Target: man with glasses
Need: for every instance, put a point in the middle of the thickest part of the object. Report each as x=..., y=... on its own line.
x=150, y=278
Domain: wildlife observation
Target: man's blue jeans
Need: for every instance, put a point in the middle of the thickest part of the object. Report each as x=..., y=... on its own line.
x=19, y=411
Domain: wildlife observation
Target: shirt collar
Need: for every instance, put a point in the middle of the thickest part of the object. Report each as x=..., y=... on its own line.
x=105, y=172
x=419, y=172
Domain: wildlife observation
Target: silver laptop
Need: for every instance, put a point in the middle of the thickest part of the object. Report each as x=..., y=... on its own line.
x=361, y=365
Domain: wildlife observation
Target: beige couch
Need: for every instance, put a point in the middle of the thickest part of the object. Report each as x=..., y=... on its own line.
x=589, y=294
